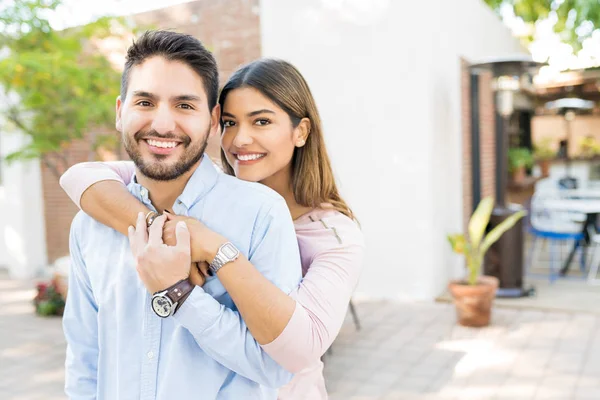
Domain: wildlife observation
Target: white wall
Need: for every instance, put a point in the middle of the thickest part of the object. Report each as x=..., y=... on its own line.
x=22, y=231
x=386, y=77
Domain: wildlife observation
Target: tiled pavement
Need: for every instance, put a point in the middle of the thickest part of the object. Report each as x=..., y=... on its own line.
x=403, y=351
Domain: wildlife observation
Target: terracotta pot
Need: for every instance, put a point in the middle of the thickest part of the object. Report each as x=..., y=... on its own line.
x=519, y=175
x=545, y=168
x=474, y=303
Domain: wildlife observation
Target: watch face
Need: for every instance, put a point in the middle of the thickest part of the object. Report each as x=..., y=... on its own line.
x=229, y=251
x=162, y=306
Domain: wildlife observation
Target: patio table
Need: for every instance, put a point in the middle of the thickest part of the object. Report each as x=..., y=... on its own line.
x=588, y=206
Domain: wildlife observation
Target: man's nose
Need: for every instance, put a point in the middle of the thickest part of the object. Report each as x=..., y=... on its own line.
x=164, y=121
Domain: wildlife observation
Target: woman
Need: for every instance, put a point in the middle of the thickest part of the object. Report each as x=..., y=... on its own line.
x=272, y=135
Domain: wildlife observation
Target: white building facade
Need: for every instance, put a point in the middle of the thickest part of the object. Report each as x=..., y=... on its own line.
x=387, y=79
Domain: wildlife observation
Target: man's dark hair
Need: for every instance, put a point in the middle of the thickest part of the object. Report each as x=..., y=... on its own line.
x=174, y=46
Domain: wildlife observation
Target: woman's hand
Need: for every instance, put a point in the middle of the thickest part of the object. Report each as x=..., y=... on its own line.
x=198, y=273
x=204, y=242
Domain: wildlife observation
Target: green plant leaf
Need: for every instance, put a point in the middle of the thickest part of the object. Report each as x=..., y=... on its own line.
x=499, y=230
x=458, y=243
x=479, y=220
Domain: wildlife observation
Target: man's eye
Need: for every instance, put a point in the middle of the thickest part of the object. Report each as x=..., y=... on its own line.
x=228, y=123
x=144, y=103
x=186, y=106
x=262, y=122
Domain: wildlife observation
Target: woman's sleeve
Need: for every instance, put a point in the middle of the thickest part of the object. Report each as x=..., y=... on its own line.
x=77, y=179
x=322, y=300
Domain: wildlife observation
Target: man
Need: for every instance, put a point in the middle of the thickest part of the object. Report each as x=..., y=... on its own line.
x=140, y=332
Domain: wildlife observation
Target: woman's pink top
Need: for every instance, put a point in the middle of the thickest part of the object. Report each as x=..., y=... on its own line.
x=332, y=251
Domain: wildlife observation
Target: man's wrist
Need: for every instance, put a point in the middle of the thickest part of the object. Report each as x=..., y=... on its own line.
x=166, y=302
x=168, y=284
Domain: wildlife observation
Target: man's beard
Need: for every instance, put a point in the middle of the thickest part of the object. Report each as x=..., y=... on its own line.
x=156, y=170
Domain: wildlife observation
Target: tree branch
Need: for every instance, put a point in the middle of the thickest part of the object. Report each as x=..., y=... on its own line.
x=50, y=166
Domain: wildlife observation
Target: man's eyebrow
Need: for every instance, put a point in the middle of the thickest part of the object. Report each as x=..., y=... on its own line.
x=141, y=93
x=187, y=97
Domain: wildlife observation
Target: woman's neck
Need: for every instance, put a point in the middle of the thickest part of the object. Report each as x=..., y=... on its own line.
x=281, y=182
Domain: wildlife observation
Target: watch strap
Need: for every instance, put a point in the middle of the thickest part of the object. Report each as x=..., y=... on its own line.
x=179, y=292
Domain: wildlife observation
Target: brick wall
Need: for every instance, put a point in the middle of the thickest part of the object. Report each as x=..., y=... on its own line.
x=487, y=132
x=229, y=28
x=487, y=139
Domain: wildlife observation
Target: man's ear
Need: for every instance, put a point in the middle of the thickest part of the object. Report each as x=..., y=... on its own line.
x=118, y=108
x=215, y=120
x=301, y=132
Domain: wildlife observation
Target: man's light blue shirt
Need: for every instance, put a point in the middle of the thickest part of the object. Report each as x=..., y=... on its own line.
x=118, y=349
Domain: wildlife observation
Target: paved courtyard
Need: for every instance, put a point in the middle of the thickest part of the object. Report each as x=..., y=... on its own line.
x=403, y=351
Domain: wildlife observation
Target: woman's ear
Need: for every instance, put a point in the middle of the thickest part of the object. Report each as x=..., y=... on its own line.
x=302, y=132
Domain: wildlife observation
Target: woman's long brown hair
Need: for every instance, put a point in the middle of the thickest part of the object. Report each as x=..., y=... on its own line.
x=313, y=182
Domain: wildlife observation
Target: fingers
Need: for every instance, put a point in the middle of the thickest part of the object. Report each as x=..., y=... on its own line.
x=169, y=216
x=183, y=237
x=206, y=271
x=196, y=276
x=138, y=236
x=168, y=234
x=156, y=230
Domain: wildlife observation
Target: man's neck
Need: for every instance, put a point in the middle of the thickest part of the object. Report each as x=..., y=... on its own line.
x=164, y=193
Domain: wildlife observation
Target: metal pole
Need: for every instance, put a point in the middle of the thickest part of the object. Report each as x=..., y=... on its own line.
x=475, y=142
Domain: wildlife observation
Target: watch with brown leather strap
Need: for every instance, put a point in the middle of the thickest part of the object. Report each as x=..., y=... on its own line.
x=166, y=302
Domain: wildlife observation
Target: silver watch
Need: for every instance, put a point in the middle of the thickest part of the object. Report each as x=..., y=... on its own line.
x=226, y=254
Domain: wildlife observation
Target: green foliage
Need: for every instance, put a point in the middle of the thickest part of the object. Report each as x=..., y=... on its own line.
x=543, y=150
x=61, y=86
x=519, y=157
x=473, y=247
x=576, y=19
x=48, y=300
x=589, y=147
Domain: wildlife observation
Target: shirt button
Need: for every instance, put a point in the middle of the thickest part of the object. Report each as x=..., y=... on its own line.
x=150, y=354
x=144, y=192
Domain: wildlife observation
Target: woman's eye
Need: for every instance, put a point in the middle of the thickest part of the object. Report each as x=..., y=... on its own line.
x=228, y=123
x=262, y=122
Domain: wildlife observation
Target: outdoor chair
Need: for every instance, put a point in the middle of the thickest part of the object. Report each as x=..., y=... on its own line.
x=557, y=227
x=593, y=278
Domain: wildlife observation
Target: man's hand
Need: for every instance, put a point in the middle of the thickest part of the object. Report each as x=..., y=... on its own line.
x=159, y=265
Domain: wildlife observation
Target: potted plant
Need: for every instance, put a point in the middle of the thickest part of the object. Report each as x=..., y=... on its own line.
x=543, y=153
x=519, y=158
x=589, y=147
x=473, y=296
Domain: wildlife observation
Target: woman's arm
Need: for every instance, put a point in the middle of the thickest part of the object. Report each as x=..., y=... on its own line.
x=100, y=190
x=294, y=330
x=322, y=301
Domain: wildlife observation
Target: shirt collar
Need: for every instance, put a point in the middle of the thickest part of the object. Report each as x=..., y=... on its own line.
x=200, y=183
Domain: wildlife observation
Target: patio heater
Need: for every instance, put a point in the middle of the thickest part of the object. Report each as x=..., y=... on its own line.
x=569, y=108
x=505, y=258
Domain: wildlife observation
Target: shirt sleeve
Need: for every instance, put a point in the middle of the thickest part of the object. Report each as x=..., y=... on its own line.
x=321, y=301
x=78, y=178
x=220, y=331
x=80, y=327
